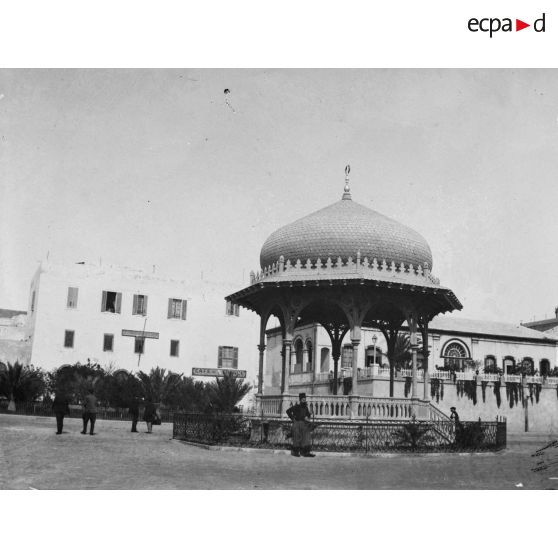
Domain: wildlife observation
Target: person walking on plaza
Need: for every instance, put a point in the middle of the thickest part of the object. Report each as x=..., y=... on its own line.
x=302, y=427
x=60, y=407
x=89, y=412
x=458, y=428
x=454, y=416
x=150, y=415
x=134, y=413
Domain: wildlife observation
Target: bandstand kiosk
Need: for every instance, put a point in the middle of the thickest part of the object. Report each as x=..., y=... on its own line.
x=346, y=267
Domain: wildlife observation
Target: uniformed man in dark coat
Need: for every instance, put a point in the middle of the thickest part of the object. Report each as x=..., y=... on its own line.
x=60, y=407
x=134, y=413
x=302, y=427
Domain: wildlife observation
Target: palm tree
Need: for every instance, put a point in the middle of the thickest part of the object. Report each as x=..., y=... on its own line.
x=402, y=351
x=159, y=386
x=20, y=383
x=227, y=392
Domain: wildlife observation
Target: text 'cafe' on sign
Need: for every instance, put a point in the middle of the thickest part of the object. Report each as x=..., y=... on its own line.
x=219, y=372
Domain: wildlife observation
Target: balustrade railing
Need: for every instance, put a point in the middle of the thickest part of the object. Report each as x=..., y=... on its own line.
x=344, y=406
x=490, y=377
x=440, y=375
x=464, y=375
x=383, y=372
x=408, y=373
x=300, y=379
x=372, y=372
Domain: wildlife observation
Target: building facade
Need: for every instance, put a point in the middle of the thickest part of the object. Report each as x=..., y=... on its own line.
x=482, y=368
x=14, y=342
x=128, y=319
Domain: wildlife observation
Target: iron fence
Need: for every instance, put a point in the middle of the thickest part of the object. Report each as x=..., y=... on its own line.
x=106, y=413
x=343, y=436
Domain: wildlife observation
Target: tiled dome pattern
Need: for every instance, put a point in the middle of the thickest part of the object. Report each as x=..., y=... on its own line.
x=340, y=230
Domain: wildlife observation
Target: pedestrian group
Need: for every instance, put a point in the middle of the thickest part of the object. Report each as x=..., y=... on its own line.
x=61, y=408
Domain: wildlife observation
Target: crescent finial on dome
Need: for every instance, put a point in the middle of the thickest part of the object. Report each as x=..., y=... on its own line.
x=347, y=189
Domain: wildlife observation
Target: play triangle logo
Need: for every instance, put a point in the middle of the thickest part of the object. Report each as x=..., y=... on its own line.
x=492, y=25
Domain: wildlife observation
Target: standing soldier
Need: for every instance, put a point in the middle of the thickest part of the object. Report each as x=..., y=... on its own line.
x=60, y=408
x=300, y=415
x=134, y=413
x=89, y=412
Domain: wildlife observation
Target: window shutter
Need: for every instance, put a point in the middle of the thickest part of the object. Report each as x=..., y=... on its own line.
x=104, y=302
x=118, y=303
x=235, y=357
x=220, y=358
x=145, y=305
x=135, y=305
x=69, y=339
x=69, y=301
x=236, y=309
x=184, y=304
x=169, y=313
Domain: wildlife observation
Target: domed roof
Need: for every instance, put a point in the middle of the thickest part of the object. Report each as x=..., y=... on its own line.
x=341, y=230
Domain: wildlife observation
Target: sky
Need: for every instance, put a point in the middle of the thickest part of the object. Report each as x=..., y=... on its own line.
x=163, y=168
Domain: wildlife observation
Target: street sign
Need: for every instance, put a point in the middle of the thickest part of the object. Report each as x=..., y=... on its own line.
x=218, y=372
x=138, y=333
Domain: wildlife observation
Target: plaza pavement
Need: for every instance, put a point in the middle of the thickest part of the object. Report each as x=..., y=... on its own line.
x=33, y=457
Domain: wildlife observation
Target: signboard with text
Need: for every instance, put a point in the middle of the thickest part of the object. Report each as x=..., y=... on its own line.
x=138, y=333
x=218, y=372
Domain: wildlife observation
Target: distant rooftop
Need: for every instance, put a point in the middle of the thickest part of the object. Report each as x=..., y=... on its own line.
x=543, y=325
x=480, y=327
x=4, y=313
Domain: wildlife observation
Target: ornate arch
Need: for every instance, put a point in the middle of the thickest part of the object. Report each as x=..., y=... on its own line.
x=455, y=353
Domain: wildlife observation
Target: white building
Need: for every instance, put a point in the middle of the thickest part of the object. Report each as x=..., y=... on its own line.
x=14, y=341
x=453, y=342
x=124, y=318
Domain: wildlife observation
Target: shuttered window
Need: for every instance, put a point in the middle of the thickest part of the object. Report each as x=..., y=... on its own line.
x=111, y=302
x=139, y=345
x=174, y=346
x=227, y=357
x=72, y=297
x=69, y=339
x=139, y=306
x=232, y=309
x=108, y=342
x=177, y=309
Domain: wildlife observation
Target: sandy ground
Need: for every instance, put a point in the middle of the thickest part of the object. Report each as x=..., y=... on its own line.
x=32, y=456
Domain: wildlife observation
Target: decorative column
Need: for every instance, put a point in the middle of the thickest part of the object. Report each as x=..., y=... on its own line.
x=285, y=377
x=261, y=348
x=355, y=343
x=425, y=355
x=353, y=400
x=335, y=354
x=285, y=373
x=413, y=334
